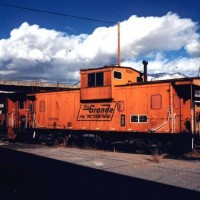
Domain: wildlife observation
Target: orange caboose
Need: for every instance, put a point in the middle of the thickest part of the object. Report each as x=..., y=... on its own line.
x=118, y=103
x=91, y=107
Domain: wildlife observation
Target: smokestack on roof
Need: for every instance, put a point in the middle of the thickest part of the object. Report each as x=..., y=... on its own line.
x=145, y=63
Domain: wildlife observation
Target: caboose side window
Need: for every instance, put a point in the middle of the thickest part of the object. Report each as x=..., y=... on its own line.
x=134, y=118
x=91, y=80
x=42, y=106
x=99, y=79
x=117, y=75
x=143, y=118
x=139, y=118
x=156, y=101
x=96, y=79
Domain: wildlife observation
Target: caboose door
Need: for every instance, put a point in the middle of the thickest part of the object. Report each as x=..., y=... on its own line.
x=176, y=114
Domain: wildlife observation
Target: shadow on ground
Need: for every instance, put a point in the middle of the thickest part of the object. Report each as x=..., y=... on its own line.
x=25, y=176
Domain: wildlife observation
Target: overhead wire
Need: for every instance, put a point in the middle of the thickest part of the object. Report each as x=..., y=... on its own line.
x=56, y=13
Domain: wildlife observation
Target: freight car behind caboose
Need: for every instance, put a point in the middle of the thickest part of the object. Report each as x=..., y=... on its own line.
x=13, y=114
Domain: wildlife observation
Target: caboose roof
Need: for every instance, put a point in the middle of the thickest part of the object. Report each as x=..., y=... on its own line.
x=110, y=67
x=177, y=81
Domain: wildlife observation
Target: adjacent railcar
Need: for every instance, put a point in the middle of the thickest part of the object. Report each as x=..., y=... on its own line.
x=3, y=129
x=13, y=114
x=114, y=104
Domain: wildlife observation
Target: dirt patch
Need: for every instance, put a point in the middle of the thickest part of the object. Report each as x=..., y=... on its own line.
x=193, y=155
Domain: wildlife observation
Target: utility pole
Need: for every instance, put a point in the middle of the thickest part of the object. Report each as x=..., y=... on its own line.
x=119, y=51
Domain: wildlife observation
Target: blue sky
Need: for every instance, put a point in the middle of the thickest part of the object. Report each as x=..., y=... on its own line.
x=45, y=46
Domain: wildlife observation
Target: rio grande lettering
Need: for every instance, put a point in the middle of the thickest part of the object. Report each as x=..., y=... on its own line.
x=96, y=112
x=105, y=109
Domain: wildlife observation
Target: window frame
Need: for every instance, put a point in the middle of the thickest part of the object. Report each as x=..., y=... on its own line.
x=95, y=79
x=99, y=79
x=91, y=80
x=138, y=118
x=114, y=72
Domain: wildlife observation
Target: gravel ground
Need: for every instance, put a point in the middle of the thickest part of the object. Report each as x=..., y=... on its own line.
x=182, y=171
x=178, y=174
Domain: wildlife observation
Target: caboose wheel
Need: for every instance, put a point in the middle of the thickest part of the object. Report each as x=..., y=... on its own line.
x=156, y=147
x=139, y=146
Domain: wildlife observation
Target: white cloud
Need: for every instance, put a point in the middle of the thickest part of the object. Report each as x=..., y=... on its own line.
x=187, y=66
x=193, y=48
x=34, y=51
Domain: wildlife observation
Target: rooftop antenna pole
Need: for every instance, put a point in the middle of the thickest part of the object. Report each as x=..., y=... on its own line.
x=119, y=59
x=67, y=70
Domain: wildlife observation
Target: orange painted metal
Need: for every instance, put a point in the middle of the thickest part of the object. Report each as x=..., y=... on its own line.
x=15, y=113
x=122, y=105
x=107, y=91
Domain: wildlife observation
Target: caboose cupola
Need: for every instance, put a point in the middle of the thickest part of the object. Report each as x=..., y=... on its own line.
x=98, y=84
